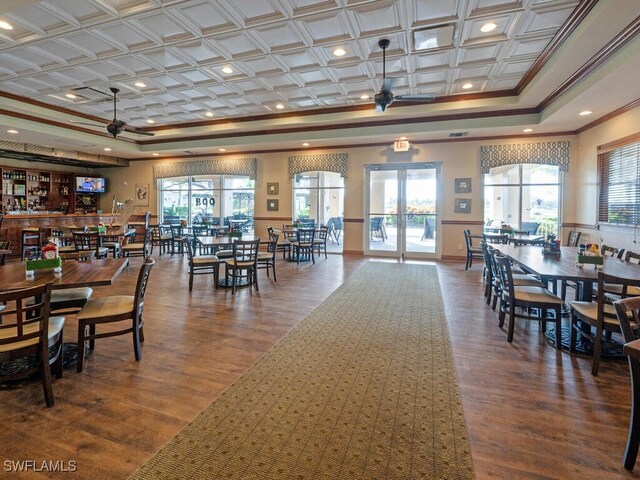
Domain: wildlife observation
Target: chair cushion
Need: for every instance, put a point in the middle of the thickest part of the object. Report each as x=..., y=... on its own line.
x=205, y=259
x=535, y=295
x=70, y=294
x=224, y=253
x=522, y=280
x=265, y=255
x=615, y=288
x=240, y=264
x=67, y=249
x=107, y=306
x=590, y=310
x=55, y=327
x=133, y=246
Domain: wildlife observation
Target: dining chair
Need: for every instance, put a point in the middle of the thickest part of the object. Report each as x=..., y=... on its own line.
x=519, y=278
x=376, y=227
x=608, y=251
x=112, y=243
x=519, y=302
x=284, y=245
x=628, y=314
x=302, y=247
x=472, y=252
x=320, y=243
x=177, y=237
x=600, y=315
x=71, y=300
x=89, y=241
x=113, y=309
x=139, y=249
x=27, y=330
x=4, y=246
x=574, y=238
x=243, y=264
x=267, y=259
x=201, y=265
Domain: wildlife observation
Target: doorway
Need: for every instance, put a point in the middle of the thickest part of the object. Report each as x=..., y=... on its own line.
x=403, y=210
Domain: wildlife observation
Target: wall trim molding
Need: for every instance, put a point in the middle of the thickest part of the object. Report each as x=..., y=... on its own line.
x=605, y=118
x=580, y=225
x=353, y=220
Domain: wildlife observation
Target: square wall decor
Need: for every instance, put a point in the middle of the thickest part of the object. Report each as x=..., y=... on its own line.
x=462, y=205
x=272, y=205
x=273, y=188
x=463, y=185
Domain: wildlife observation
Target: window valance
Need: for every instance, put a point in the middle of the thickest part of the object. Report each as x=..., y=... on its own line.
x=544, y=153
x=332, y=162
x=222, y=166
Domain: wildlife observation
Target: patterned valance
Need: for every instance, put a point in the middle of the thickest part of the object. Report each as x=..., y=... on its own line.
x=332, y=162
x=545, y=153
x=222, y=166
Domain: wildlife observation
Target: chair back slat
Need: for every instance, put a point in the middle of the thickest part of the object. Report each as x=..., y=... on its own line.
x=246, y=250
x=632, y=257
x=23, y=320
x=628, y=313
x=141, y=285
x=306, y=235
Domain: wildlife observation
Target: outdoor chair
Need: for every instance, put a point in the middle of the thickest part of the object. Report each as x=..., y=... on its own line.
x=429, y=229
x=377, y=228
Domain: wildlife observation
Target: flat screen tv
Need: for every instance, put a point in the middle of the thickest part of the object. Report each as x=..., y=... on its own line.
x=90, y=184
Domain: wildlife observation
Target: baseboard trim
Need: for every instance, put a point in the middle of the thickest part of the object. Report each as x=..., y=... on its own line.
x=453, y=258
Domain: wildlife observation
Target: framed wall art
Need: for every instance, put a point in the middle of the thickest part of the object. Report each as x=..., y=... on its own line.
x=462, y=205
x=273, y=188
x=463, y=185
x=272, y=205
x=142, y=195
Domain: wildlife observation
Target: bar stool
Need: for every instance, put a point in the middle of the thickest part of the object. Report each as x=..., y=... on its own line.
x=29, y=236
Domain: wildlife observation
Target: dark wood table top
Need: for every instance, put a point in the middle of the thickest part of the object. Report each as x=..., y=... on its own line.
x=525, y=239
x=632, y=349
x=74, y=274
x=208, y=240
x=563, y=267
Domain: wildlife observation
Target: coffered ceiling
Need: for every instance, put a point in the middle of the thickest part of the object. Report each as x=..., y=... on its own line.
x=282, y=52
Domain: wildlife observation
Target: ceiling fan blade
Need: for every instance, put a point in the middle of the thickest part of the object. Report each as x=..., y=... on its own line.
x=139, y=132
x=85, y=123
x=416, y=98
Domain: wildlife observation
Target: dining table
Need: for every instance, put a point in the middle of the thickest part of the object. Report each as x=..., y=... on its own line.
x=92, y=273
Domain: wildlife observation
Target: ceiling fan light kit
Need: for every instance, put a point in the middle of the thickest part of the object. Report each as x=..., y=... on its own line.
x=385, y=96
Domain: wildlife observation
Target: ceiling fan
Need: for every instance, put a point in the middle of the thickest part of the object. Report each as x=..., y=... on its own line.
x=385, y=97
x=116, y=126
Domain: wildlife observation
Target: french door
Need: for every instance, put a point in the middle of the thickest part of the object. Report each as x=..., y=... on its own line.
x=403, y=210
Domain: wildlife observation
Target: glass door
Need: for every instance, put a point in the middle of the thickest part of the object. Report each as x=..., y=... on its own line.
x=403, y=210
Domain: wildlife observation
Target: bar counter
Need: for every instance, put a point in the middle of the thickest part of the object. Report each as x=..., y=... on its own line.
x=12, y=225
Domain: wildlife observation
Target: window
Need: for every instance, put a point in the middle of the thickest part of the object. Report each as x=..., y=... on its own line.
x=619, y=193
x=207, y=198
x=525, y=197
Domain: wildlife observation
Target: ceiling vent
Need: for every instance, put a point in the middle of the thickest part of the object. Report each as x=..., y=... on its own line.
x=458, y=134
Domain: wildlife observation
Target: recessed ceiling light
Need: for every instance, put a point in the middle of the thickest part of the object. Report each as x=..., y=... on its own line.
x=70, y=95
x=403, y=138
x=364, y=97
x=488, y=27
x=528, y=130
x=585, y=112
x=155, y=154
x=150, y=120
x=140, y=84
x=279, y=106
x=305, y=144
x=467, y=86
x=107, y=149
x=222, y=149
x=227, y=70
x=339, y=52
x=5, y=25
x=11, y=130
x=209, y=114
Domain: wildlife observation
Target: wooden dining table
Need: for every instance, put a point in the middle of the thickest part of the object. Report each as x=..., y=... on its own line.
x=92, y=273
x=564, y=266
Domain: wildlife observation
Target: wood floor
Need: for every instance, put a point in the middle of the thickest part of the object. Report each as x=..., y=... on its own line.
x=531, y=412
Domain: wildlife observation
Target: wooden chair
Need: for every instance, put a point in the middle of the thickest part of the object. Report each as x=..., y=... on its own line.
x=526, y=299
x=518, y=278
x=4, y=246
x=284, y=245
x=599, y=315
x=628, y=314
x=243, y=264
x=202, y=265
x=574, y=238
x=33, y=239
x=320, y=243
x=139, y=249
x=161, y=237
x=177, y=237
x=112, y=243
x=471, y=251
x=71, y=300
x=267, y=260
x=28, y=330
x=112, y=309
x=302, y=247
x=607, y=251
x=89, y=241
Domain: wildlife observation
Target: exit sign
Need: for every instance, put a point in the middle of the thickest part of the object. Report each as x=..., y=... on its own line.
x=401, y=146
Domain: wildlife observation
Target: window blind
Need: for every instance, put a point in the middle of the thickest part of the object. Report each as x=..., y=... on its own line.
x=619, y=193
